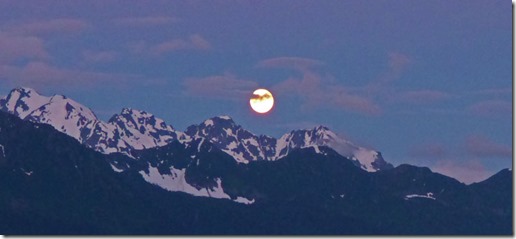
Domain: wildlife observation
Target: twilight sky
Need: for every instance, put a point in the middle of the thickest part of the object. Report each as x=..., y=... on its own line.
x=427, y=83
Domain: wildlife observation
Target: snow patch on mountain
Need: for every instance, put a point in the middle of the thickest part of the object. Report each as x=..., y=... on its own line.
x=124, y=132
x=367, y=159
x=27, y=172
x=135, y=130
x=22, y=101
x=225, y=117
x=142, y=130
x=2, y=149
x=244, y=146
x=64, y=115
x=244, y=200
x=428, y=195
x=231, y=138
x=176, y=182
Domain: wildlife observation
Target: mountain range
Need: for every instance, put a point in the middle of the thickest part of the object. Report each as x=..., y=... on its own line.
x=134, y=130
x=64, y=171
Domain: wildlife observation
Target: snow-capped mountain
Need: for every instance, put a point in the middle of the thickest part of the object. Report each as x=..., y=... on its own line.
x=141, y=130
x=65, y=115
x=244, y=146
x=129, y=130
x=367, y=159
x=231, y=138
x=135, y=130
x=192, y=168
x=52, y=184
x=22, y=101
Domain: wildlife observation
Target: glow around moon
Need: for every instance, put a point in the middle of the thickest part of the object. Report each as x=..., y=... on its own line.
x=261, y=101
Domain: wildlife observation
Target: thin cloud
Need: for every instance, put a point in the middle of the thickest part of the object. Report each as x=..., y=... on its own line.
x=194, y=42
x=145, y=21
x=43, y=75
x=397, y=64
x=317, y=90
x=481, y=147
x=137, y=47
x=432, y=151
x=290, y=62
x=62, y=25
x=422, y=96
x=491, y=109
x=9, y=73
x=398, y=61
x=342, y=98
x=99, y=56
x=456, y=164
x=464, y=161
x=492, y=92
x=468, y=172
x=13, y=48
x=198, y=42
x=220, y=87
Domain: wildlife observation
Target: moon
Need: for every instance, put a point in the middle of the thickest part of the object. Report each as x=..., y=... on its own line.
x=261, y=101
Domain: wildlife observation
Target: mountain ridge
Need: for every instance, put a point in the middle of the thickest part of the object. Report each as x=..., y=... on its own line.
x=136, y=129
x=51, y=184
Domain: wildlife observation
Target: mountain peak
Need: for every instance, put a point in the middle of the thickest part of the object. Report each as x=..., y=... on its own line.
x=316, y=130
x=224, y=122
x=25, y=90
x=321, y=128
x=139, y=119
x=22, y=101
x=134, y=129
x=56, y=98
x=134, y=115
x=323, y=131
x=135, y=112
x=224, y=117
x=318, y=135
x=231, y=138
x=141, y=130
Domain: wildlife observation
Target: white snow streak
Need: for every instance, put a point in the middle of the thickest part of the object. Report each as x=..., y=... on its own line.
x=225, y=117
x=28, y=173
x=244, y=200
x=115, y=168
x=3, y=150
x=208, y=122
x=176, y=182
x=428, y=195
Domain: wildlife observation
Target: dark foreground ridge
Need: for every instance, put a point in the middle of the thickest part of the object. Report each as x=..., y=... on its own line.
x=53, y=185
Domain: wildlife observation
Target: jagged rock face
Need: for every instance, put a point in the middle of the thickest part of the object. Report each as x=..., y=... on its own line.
x=44, y=172
x=124, y=132
x=233, y=139
x=135, y=130
x=22, y=101
x=51, y=184
x=244, y=146
x=142, y=130
x=65, y=115
x=367, y=159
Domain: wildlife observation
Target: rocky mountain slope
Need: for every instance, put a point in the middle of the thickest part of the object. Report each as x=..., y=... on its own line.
x=53, y=185
x=134, y=130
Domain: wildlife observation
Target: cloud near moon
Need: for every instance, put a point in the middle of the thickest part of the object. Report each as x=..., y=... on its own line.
x=261, y=101
x=261, y=97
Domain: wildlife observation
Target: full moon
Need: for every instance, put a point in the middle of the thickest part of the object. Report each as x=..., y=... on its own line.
x=261, y=101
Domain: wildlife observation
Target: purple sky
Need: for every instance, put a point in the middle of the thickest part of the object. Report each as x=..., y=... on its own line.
x=425, y=82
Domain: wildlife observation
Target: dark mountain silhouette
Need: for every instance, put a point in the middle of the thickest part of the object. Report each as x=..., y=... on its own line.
x=53, y=185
